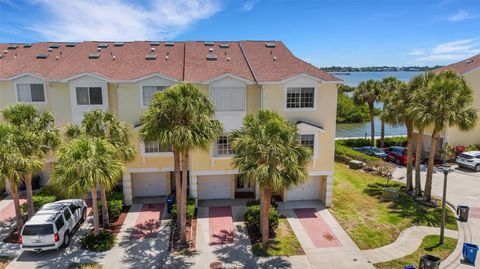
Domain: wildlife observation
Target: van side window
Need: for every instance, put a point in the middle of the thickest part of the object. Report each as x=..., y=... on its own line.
x=67, y=214
x=73, y=208
x=59, y=223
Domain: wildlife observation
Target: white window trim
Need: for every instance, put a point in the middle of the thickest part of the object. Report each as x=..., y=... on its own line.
x=230, y=112
x=148, y=85
x=214, y=150
x=89, y=100
x=315, y=143
x=315, y=96
x=33, y=103
x=156, y=154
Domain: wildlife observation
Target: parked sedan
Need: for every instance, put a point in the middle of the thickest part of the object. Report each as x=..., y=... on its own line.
x=469, y=159
x=398, y=155
x=372, y=151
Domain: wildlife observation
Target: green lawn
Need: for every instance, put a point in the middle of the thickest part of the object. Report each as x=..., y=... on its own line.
x=85, y=266
x=285, y=243
x=429, y=246
x=370, y=221
x=4, y=261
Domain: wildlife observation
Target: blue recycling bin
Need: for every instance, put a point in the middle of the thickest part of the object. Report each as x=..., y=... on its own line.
x=170, y=202
x=469, y=252
x=409, y=267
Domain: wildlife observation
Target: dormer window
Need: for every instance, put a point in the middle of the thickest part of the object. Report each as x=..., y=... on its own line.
x=89, y=96
x=301, y=97
x=31, y=92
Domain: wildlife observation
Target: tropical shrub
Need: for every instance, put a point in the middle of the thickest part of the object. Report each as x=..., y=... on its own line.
x=273, y=202
x=252, y=218
x=114, y=209
x=393, y=141
x=473, y=147
x=190, y=210
x=38, y=201
x=344, y=154
x=353, y=142
x=102, y=242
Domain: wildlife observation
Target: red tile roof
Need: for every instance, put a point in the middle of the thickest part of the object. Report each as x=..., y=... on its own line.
x=463, y=66
x=185, y=61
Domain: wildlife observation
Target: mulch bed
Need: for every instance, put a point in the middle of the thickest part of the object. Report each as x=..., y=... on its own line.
x=191, y=237
x=117, y=225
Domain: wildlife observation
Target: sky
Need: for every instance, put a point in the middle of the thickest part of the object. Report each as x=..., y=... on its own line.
x=322, y=32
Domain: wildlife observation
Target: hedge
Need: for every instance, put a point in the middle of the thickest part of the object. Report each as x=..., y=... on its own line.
x=252, y=218
x=361, y=142
x=190, y=210
x=38, y=201
x=114, y=209
x=102, y=242
x=344, y=154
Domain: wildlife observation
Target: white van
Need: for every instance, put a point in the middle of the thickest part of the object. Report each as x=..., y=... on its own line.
x=53, y=225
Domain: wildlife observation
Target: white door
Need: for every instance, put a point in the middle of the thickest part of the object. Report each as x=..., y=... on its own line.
x=214, y=187
x=149, y=184
x=310, y=190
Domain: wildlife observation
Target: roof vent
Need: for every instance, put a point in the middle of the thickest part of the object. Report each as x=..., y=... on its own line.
x=169, y=44
x=95, y=55
x=270, y=45
x=228, y=59
x=12, y=47
x=1, y=56
x=224, y=46
x=469, y=61
x=5, y=51
x=152, y=49
x=54, y=46
x=155, y=43
x=56, y=57
x=50, y=49
x=103, y=45
x=210, y=50
x=118, y=44
x=99, y=49
x=211, y=57
x=151, y=56
x=166, y=57
x=27, y=45
x=42, y=56
x=274, y=58
x=209, y=43
x=70, y=45
x=114, y=58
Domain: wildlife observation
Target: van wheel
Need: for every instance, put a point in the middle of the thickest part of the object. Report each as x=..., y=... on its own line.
x=66, y=240
x=477, y=168
x=84, y=215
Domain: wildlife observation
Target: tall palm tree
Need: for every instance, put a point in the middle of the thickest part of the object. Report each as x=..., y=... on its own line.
x=451, y=105
x=82, y=164
x=40, y=125
x=267, y=149
x=420, y=85
x=369, y=92
x=105, y=125
x=181, y=116
x=396, y=112
x=389, y=85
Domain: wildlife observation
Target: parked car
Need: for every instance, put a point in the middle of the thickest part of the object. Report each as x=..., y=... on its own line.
x=469, y=159
x=398, y=155
x=372, y=151
x=53, y=225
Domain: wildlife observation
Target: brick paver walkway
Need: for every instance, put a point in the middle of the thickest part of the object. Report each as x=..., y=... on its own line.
x=317, y=229
x=148, y=221
x=221, y=225
x=8, y=212
x=474, y=212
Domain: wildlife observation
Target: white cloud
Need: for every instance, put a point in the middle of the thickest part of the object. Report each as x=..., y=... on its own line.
x=77, y=20
x=448, y=52
x=417, y=52
x=461, y=15
x=249, y=5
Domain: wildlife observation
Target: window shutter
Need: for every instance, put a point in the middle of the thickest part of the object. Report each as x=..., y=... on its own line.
x=228, y=98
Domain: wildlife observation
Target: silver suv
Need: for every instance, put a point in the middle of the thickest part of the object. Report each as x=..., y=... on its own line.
x=469, y=159
x=53, y=225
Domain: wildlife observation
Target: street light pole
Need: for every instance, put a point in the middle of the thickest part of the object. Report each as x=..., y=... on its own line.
x=446, y=170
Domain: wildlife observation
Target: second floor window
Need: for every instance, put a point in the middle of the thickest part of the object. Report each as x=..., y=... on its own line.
x=301, y=97
x=148, y=92
x=30, y=93
x=228, y=98
x=155, y=147
x=223, y=146
x=89, y=96
x=307, y=140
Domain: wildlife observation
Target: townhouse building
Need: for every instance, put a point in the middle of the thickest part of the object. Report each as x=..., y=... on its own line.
x=241, y=77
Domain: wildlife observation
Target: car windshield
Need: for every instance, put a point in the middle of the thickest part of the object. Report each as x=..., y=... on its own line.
x=41, y=229
x=465, y=156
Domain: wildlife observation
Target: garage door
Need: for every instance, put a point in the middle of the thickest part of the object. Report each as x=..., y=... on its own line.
x=149, y=184
x=214, y=187
x=310, y=190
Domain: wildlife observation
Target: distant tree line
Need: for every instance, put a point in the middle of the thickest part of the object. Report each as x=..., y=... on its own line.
x=378, y=68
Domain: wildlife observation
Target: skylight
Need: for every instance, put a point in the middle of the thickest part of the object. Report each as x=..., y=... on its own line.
x=270, y=45
x=118, y=44
x=42, y=56
x=209, y=43
x=70, y=45
x=224, y=46
x=151, y=56
x=12, y=47
x=27, y=45
x=103, y=45
x=211, y=57
x=54, y=46
x=169, y=44
x=94, y=55
x=155, y=43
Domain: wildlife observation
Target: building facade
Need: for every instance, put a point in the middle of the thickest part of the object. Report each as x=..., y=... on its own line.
x=69, y=79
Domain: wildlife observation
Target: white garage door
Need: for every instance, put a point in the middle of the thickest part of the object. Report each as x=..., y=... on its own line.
x=214, y=187
x=310, y=190
x=149, y=184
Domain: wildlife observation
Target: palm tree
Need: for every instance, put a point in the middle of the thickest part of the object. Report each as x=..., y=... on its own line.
x=368, y=92
x=105, y=125
x=420, y=85
x=41, y=126
x=396, y=112
x=267, y=149
x=389, y=86
x=181, y=116
x=82, y=164
x=451, y=105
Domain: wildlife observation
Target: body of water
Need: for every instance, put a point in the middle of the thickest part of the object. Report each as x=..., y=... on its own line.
x=359, y=129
